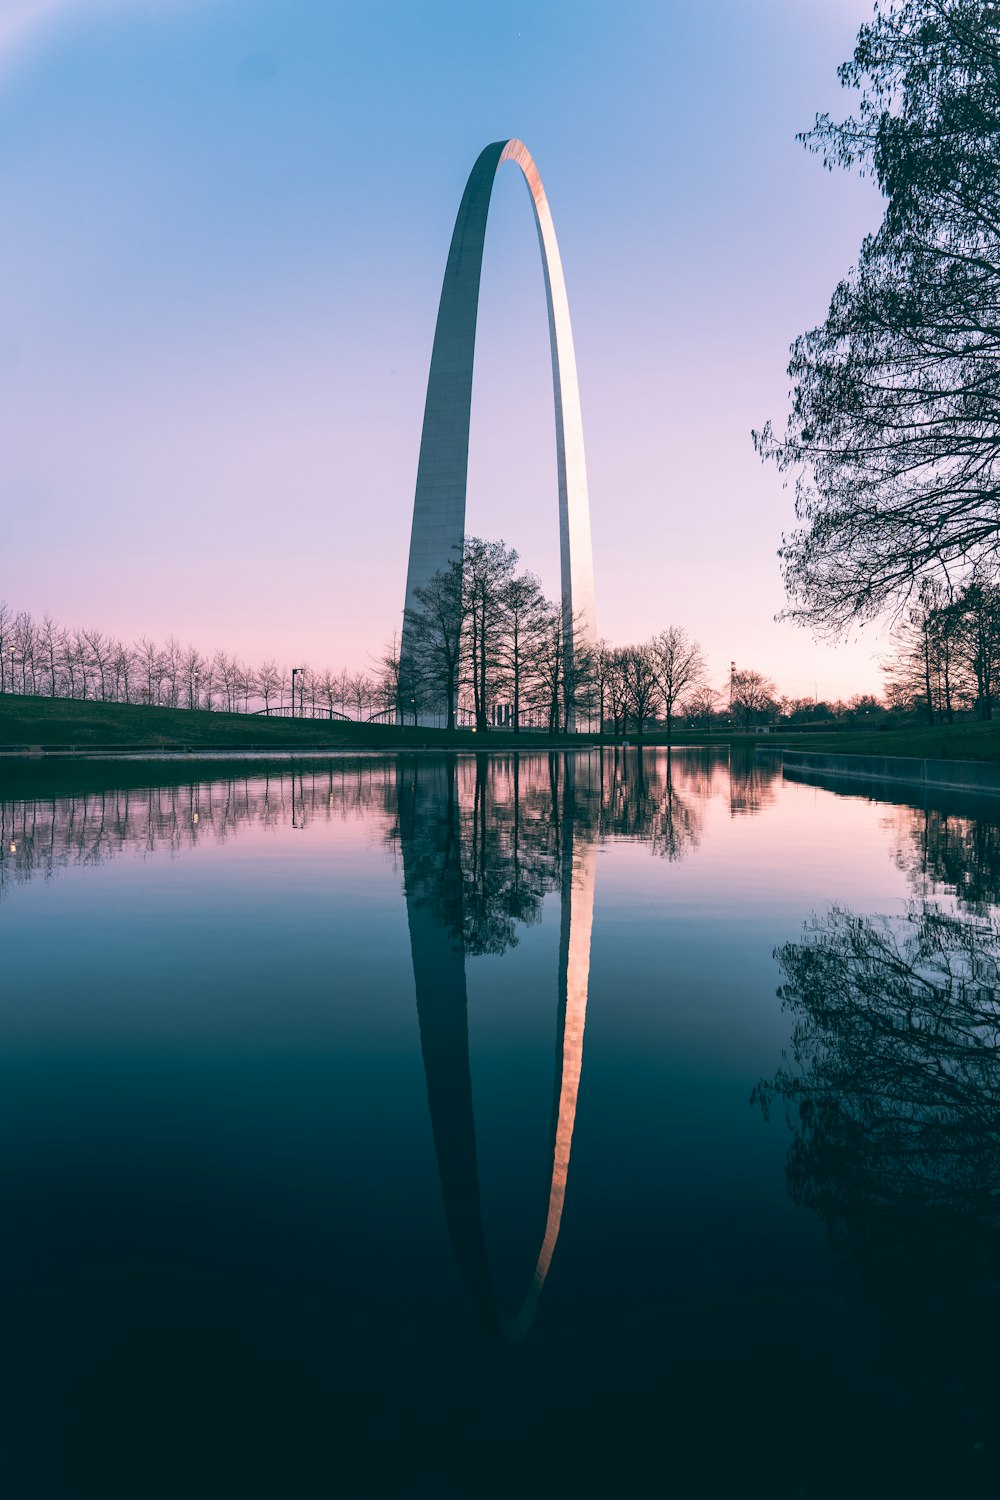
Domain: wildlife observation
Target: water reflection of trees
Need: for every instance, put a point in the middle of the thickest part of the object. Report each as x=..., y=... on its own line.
x=40, y=835
x=500, y=820
x=893, y=1097
x=753, y=782
x=939, y=849
x=504, y=813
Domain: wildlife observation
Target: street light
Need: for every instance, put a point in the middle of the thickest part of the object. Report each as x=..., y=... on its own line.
x=295, y=673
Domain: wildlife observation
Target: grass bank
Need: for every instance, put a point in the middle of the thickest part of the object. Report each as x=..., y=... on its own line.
x=68, y=724
x=966, y=740
x=88, y=726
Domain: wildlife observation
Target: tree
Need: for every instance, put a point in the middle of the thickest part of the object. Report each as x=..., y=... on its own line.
x=923, y=671
x=268, y=682
x=399, y=685
x=579, y=672
x=192, y=667
x=362, y=694
x=639, y=668
x=487, y=570
x=50, y=640
x=976, y=620
x=122, y=664
x=24, y=646
x=703, y=704
x=679, y=666
x=894, y=432
x=550, y=662
x=6, y=636
x=752, y=696
x=523, y=622
x=434, y=636
x=616, y=685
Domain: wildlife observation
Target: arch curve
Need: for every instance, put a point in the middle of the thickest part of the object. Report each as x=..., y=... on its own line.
x=442, y=469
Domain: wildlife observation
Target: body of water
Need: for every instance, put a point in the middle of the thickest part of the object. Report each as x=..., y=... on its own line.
x=612, y=1123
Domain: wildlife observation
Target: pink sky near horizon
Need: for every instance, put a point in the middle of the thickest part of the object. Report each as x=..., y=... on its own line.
x=222, y=278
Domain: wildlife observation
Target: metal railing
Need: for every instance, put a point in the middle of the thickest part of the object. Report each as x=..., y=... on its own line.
x=305, y=711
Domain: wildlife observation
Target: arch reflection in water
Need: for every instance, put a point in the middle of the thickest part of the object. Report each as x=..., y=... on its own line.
x=559, y=852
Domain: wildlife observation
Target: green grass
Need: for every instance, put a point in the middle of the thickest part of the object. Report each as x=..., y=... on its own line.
x=88, y=725
x=966, y=740
x=75, y=724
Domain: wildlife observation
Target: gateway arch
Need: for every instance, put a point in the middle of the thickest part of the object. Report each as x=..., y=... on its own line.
x=442, y=470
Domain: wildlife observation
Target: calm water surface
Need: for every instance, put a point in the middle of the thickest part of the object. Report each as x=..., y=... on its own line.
x=598, y=1124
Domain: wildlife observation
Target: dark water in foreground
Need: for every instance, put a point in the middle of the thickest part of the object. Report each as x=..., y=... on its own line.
x=597, y=1124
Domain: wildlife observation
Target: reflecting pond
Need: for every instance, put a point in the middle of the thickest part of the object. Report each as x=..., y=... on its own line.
x=425, y=1125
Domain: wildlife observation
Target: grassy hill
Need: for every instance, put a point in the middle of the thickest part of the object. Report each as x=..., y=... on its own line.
x=86, y=725
x=966, y=740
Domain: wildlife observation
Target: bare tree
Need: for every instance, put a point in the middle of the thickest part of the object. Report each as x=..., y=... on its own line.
x=268, y=682
x=679, y=666
x=50, y=646
x=703, y=703
x=24, y=645
x=434, y=637
x=754, y=697
x=523, y=621
x=6, y=637
x=487, y=570
x=976, y=638
x=640, y=670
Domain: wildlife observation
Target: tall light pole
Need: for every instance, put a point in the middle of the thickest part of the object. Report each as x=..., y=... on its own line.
x=295, y=673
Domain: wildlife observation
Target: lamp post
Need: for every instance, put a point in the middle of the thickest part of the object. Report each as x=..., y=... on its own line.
x=295, y=673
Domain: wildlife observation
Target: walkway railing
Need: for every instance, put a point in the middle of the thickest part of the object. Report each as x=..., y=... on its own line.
x=307, y=711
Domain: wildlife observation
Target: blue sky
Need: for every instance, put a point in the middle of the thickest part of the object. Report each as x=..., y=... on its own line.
x=224, y=229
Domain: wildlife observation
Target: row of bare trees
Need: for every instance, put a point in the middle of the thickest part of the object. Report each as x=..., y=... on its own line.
x=507, y=666
x=483, y=644
x=483, y=641
x=946, y=656
x=43, y=658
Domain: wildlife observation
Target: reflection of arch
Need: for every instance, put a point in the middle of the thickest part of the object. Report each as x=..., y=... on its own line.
x=442, y=1010
x=442, y=469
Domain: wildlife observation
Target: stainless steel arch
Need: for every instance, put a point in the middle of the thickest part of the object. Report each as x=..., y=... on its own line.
x=442, y=469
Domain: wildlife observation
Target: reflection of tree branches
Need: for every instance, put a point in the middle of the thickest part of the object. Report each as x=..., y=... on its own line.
x=897, y=1088
x=940, y=850
x=656, y=798
x=482, y=842
x=894, y=1101
x=752, y=783
x=41, y=835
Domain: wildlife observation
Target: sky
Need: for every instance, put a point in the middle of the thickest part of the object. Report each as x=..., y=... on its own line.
x=224, y=230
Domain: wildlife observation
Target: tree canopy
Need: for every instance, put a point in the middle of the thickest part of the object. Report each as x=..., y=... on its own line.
x=893, y=437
